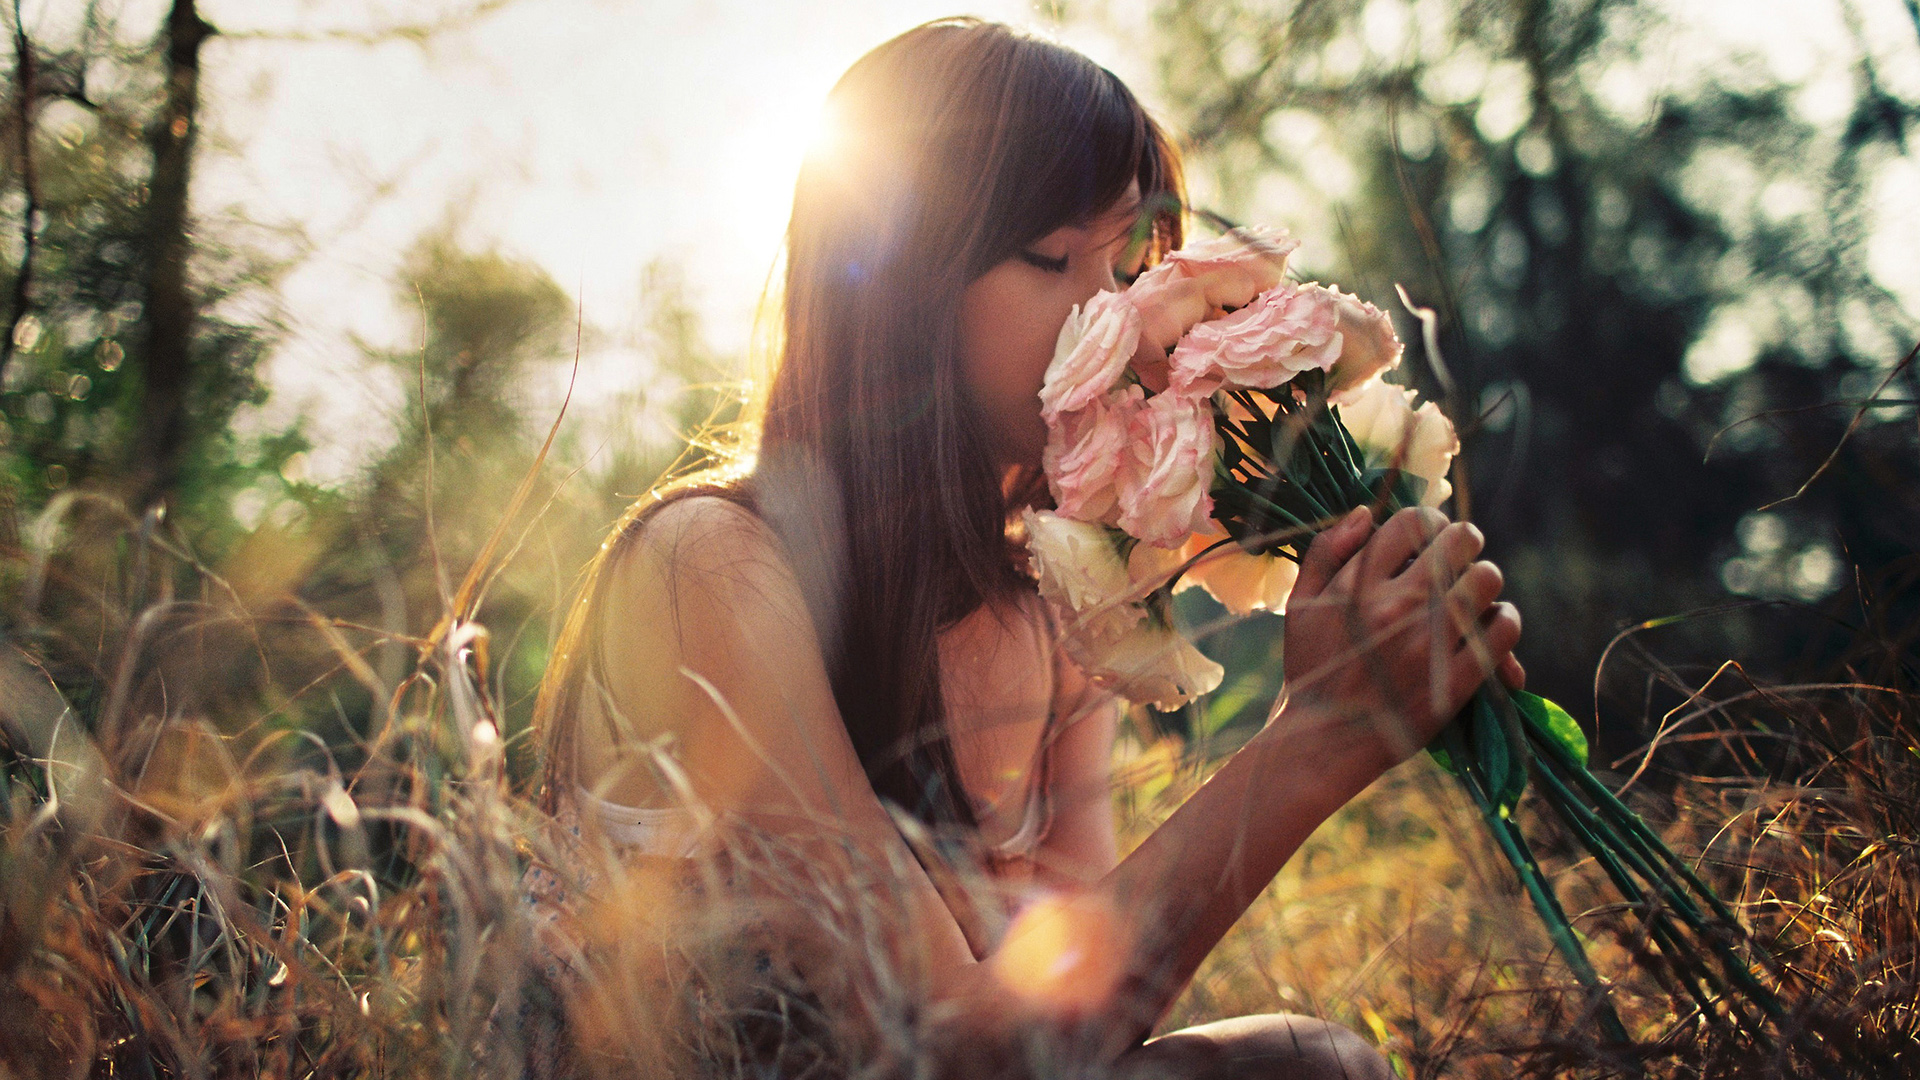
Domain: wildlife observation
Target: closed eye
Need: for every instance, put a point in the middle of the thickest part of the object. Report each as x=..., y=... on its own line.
x=1051, y=266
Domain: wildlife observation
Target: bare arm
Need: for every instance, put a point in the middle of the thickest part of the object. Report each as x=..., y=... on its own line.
x=708, y=592
x=1081, y=846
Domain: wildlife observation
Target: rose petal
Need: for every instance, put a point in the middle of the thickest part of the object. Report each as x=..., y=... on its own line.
x=1284, y=331
x=1163, y=479
x=1084, y=453
x=1092, y=350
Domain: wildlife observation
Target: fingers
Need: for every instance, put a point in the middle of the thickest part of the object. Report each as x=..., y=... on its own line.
x=1404, y=535
x=1447, y=557
x=1512, y=675
x=1476, y=589
x=1488, y=651
x=1329, y=552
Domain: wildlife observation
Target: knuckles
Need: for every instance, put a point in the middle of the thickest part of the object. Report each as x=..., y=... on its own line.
x=1426, y=521
x=1396, y=604
x=1486, y=578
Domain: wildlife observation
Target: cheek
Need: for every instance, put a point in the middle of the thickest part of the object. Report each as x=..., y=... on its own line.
x=1007, y=332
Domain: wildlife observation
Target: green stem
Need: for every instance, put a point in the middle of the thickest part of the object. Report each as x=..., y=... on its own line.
x=1559, y=928
x=1636, y=839
x=1612, y=808
x=1688, y=968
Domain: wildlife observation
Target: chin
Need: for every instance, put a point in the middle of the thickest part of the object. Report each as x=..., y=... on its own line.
x=1025, y=458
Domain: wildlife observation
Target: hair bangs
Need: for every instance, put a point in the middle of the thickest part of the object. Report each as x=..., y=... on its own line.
x=1074, y=137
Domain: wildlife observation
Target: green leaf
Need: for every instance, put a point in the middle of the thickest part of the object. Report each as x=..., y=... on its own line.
x=1554, y=722
x=1491, y=742
x=1503, y=757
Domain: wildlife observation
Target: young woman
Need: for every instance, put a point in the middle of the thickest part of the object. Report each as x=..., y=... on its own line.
x=839, y=646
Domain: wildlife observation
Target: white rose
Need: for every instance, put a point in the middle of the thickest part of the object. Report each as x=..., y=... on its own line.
x=1430, y=451
x=1081, y=573
x=1244, y=582
x=1150, y=565
x=1391, y=431
x=1152, y=665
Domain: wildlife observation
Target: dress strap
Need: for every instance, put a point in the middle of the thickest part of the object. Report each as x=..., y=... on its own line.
x=671, y=831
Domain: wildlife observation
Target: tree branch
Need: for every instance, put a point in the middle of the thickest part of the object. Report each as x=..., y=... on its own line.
x=416, y=32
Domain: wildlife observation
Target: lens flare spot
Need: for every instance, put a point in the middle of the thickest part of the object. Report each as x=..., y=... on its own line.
x=1064, y=954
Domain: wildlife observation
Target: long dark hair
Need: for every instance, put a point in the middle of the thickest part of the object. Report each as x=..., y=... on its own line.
x=954, y=145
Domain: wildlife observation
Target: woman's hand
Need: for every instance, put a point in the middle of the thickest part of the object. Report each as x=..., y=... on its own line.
x=1391, y=630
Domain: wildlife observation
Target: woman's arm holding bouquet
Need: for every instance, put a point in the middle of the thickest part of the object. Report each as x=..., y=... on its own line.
x=708, y=592
x=1264, y=425
x=1371, y=680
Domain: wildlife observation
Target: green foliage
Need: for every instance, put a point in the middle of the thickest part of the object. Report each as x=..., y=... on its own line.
x=1621, y=291
x=71, y=397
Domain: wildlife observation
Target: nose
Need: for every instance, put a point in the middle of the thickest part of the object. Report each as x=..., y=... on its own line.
x=1102, y=277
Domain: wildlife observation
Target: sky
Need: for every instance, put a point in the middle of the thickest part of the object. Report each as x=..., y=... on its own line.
x=594, y=137
x=590, y=137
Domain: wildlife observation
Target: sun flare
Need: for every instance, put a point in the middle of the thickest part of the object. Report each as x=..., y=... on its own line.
x=762, y=161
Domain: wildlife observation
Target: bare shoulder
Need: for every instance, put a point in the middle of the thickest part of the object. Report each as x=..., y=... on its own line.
x=699, y=607
x=703, y=550
x=701, y=532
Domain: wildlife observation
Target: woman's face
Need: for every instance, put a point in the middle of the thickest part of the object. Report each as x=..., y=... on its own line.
x=1011, y=315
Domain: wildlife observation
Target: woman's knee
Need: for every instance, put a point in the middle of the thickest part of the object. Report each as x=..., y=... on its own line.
x=1272, y=1046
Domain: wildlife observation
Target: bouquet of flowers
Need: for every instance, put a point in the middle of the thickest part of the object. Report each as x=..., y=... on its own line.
x=1266, y=425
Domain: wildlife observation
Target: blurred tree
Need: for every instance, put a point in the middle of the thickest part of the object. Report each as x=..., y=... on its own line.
x=388, y=552
x=167, y=367
x=1626, y=274
x=134, y=321
x=133, y=327
x=123, y=360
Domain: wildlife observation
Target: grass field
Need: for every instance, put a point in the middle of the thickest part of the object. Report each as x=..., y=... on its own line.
x=196, y=879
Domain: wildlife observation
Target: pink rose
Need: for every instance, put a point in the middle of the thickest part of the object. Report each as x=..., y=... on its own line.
x=1092, y=350
x=1085, y=448
x=1164, y=476
x=1221, y=250
x=1368, y=343
x=1283, y=332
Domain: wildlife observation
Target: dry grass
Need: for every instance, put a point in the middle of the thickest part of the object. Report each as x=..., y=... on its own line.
x=195, y=883
x=1399, y=919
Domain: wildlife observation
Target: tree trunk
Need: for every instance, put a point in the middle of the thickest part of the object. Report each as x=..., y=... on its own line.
x=167, y=369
